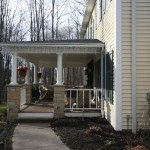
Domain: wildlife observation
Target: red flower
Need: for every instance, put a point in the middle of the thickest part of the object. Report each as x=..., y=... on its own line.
x=23, y=69
x=26, y=68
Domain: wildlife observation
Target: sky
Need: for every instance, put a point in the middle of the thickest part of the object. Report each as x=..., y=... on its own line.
x=66, y=12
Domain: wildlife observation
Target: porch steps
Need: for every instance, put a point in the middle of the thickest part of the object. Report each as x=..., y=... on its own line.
x=35, y=116
x=47, y=116
x=82, y=114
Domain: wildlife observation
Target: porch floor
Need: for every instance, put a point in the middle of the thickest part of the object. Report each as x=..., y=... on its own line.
x=43, y=106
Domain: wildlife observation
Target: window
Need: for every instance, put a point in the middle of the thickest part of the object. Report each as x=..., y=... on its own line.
x=92, y=29
x=98, y=11
x=105, y=5
x=108, y=76
x=98, y=74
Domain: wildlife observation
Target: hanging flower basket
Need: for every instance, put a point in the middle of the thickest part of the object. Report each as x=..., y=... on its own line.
x=22, y=71
x=39, y=74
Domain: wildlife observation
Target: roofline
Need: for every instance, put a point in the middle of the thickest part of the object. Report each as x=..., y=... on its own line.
x=72, y=43
x=88, y=12
x=47, y=45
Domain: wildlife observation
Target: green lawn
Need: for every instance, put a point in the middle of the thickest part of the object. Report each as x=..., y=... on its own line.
x=2, y=109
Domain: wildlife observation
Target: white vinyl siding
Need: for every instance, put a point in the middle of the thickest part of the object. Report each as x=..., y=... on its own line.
x=142, y=62
x=105, y=32
x=126, y=62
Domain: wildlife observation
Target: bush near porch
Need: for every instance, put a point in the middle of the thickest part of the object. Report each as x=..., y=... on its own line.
x=98, y=134
x=3, y=111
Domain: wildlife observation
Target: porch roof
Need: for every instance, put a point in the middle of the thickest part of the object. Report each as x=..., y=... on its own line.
x=75, y=52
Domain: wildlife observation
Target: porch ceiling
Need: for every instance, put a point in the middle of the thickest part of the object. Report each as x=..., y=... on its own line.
x=75, y=52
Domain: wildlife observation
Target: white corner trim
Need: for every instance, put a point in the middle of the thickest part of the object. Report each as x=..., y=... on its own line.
x=118, y=66
x=134, y=66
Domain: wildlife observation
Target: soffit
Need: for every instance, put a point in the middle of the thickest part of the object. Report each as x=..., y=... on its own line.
x=75, y=52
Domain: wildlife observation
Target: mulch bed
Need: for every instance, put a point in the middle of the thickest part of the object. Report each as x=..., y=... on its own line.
x=97, y=134
x=6, y=133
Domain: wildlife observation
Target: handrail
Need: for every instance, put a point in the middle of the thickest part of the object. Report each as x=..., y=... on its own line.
x=83, y=100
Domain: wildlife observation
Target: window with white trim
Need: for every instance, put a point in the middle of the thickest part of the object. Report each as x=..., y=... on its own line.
x=108, y=69
x=92, y=29
x=105, y=4
x=98, y=11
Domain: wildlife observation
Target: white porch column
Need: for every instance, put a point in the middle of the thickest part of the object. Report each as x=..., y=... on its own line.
x=41, y=79
x=28, y=73
x=59, y=69
x=35, y=74
x=14, y=69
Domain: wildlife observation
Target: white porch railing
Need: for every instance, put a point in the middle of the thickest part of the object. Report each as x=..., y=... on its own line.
x=83, y=99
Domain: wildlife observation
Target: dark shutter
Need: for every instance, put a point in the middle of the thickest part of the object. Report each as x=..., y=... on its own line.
x=103, y=91
x=98, y=74
x=109, y=75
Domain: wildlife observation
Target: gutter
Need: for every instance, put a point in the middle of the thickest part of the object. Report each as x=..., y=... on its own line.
x=87, y=16
x=134, y=66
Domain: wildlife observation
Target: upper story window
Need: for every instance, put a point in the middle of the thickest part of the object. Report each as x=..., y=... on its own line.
x=92, y=29
x=105, y=4
x=98, y=11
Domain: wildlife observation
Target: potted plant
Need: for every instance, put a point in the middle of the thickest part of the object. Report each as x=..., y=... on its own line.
x=39, y=74
x=22, y=71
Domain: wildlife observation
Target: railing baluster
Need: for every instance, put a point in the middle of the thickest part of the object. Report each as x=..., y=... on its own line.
x=96, y=98
x=83, y=98
x=89, y=98
x=102, y=105
x=70, y=99
x=77, y=99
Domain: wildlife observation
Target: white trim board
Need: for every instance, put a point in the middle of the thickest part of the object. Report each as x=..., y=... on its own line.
x=134, y=66
x=118, y=67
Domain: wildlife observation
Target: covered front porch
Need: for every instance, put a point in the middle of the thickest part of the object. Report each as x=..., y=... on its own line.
x=70, y=102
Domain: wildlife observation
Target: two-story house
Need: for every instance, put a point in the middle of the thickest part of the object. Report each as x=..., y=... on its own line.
x=124, y=27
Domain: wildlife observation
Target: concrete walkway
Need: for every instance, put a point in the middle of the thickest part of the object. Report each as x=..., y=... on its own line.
x=36, y=136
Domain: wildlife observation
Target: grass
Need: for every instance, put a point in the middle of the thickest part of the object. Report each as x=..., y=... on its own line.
x=2, y=109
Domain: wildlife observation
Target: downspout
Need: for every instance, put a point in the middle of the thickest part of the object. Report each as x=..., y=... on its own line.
x=134, y=66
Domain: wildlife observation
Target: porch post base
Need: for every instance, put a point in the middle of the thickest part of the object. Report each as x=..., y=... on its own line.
x=59, y=101
x=13, y=102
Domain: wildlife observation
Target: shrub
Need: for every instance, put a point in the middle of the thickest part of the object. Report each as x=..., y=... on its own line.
x=93, y=130
x=139, y=147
